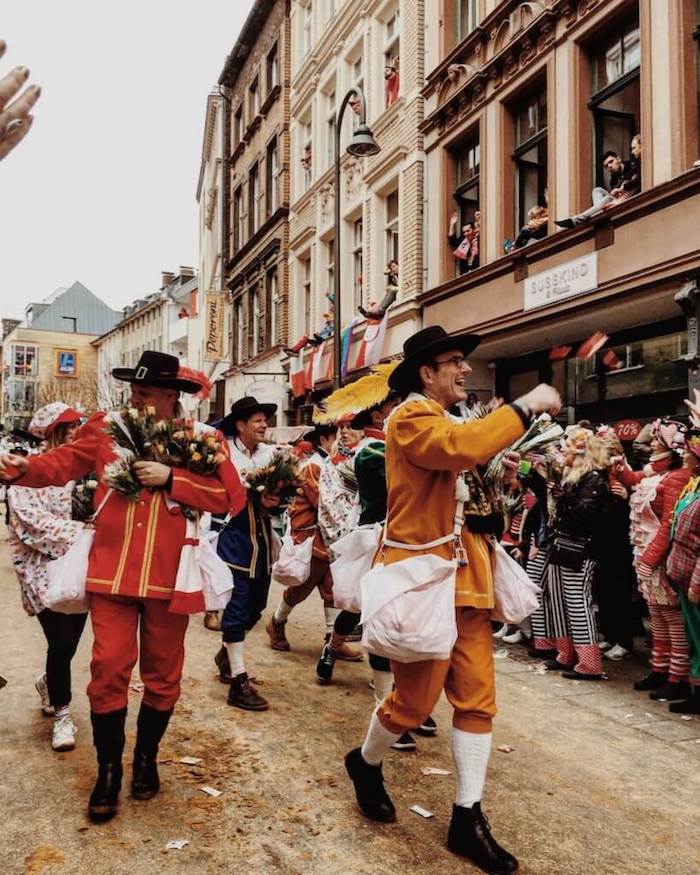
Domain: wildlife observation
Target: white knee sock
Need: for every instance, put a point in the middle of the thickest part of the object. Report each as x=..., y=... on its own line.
x=64, y=711
x=235, y=656
x=330, y=614
x=377, y=742
x=470, y=751
x=383, y=684
x=282, y=611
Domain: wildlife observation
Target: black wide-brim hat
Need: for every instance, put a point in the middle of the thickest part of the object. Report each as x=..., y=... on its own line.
x=423, y=346
x=157, y=369
x=243, y=409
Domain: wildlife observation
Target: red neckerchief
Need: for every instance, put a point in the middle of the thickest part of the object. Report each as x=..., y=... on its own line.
x=375, y=433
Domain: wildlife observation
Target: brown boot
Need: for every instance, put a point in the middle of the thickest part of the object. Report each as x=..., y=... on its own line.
x=212, y=621
x=347, y=653
x=243, y=695
x=278, y=639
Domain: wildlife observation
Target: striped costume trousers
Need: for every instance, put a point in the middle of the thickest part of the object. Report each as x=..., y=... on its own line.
x=669, y=645
x=566, y=619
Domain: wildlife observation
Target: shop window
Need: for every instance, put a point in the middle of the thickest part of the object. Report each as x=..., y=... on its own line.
x=272, y=307
x=253, y=200
x=357, y=263
x=24, y=361
x=254, y=98
x=467, y=167
x=238, y=223
x=272, y=179
x=238, y=126
x=272, y=69
x=530, y=156
x=616, y=95
x=391, y=227
x=392, y=52
x=467, y=17
x=330, y=128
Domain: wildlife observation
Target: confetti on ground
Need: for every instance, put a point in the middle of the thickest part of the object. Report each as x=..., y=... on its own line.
x=430, y=770
x=211, y=791
x=422, y=811
x=501, y=654
x=629, y=716
x=647, y=714
x=137, y=687
x=686, y=717
x=177, y=844
x=190, y=761
x=505, y=748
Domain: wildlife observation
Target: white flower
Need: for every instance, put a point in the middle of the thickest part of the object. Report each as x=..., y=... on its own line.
x=91, y=484
x=133, y=413
x=261, y=488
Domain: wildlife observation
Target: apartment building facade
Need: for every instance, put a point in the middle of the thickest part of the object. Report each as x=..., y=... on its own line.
x=524, y=103
x=377, y=45
x=255, y=85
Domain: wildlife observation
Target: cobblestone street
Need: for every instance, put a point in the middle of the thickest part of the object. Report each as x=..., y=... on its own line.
x=600, y=781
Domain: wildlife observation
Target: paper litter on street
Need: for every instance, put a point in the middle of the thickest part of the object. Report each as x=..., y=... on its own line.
x=418, y=809
x=501, y=654
x=211, y=791
x=686, y=717
x=505, y=748
x=431, y=770
x=177, y=844
x=190, y=761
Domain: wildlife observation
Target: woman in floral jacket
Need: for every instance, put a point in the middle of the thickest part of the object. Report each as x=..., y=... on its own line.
x=41, y=529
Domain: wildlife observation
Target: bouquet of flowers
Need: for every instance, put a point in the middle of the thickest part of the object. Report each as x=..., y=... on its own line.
x=541, y=435
x=280, y=479
x=172, y=442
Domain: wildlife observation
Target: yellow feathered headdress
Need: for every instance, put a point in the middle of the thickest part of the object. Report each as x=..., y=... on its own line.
x=361, y=395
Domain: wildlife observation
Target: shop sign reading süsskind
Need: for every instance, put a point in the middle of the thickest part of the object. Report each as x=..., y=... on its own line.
x=564, y=281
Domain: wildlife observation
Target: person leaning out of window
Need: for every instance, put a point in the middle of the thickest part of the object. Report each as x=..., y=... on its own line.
x=465, y=246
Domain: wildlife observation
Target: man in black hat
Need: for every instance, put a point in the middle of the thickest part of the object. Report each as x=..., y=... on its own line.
x=245, y=545
x=131, y=575
x=426, y=449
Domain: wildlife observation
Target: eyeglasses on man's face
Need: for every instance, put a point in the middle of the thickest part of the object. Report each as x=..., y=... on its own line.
x=457, y=360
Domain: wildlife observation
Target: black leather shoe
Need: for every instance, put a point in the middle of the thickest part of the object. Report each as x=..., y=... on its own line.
x=671, y=691
x=243, y=694
x=564, y=223
x=470, y=836
x=145, y=782
x=325, y=665
x=369, y=788
x=691, y=705
x=652, y=681
x=224, y=666
x=104, y=798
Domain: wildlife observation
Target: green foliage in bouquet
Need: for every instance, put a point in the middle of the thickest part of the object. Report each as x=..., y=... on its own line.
x=280, y=479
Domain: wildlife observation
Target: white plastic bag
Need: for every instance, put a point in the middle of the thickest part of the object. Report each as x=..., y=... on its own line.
x=293, y=566
x=408, y=609
x=65, y=591
x=514, y=592
x=354, y=554
x=217, y=580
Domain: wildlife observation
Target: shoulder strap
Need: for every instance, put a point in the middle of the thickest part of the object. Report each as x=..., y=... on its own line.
x=101, y=506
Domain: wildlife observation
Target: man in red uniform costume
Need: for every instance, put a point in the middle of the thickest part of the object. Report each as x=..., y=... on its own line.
x=131, y=575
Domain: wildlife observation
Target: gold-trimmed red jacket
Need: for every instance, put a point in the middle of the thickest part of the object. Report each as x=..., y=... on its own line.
x=137, y=544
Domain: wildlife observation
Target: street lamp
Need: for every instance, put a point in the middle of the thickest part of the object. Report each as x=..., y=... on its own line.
x=362, y=145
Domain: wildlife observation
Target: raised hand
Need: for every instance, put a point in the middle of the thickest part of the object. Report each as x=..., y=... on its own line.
x=15, y=107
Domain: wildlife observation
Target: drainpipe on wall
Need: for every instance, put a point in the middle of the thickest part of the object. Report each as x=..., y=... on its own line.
x=225, y=186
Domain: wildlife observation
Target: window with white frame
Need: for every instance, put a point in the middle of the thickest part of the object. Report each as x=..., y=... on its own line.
x=272, y=307
x=391, y=227
x=272, y=178
x=392, y=51
x=467, y=18
x=306, y=28
x=330, y=128
x=306, y=155
x=239, y=330
x=24, y=360
x=238, y=126
x=330, y=267
x=253, y=200
x=357, y=262
x=306, y=293
x=256, y=328
x=238, y=219
x=254, y=98
x=358, y=80
x=272, y=68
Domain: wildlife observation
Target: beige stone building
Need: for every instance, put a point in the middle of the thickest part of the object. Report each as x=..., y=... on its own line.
x=378, y=45
x=523, y=100
x=48, y=356
x=255, y=85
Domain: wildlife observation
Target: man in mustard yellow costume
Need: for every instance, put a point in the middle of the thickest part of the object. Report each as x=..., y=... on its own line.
x=426, y=449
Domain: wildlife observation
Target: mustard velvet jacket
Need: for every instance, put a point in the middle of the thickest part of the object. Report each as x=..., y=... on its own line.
x=426, y=449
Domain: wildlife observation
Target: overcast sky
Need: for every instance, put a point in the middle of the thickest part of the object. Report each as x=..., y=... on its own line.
x=103, y=188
